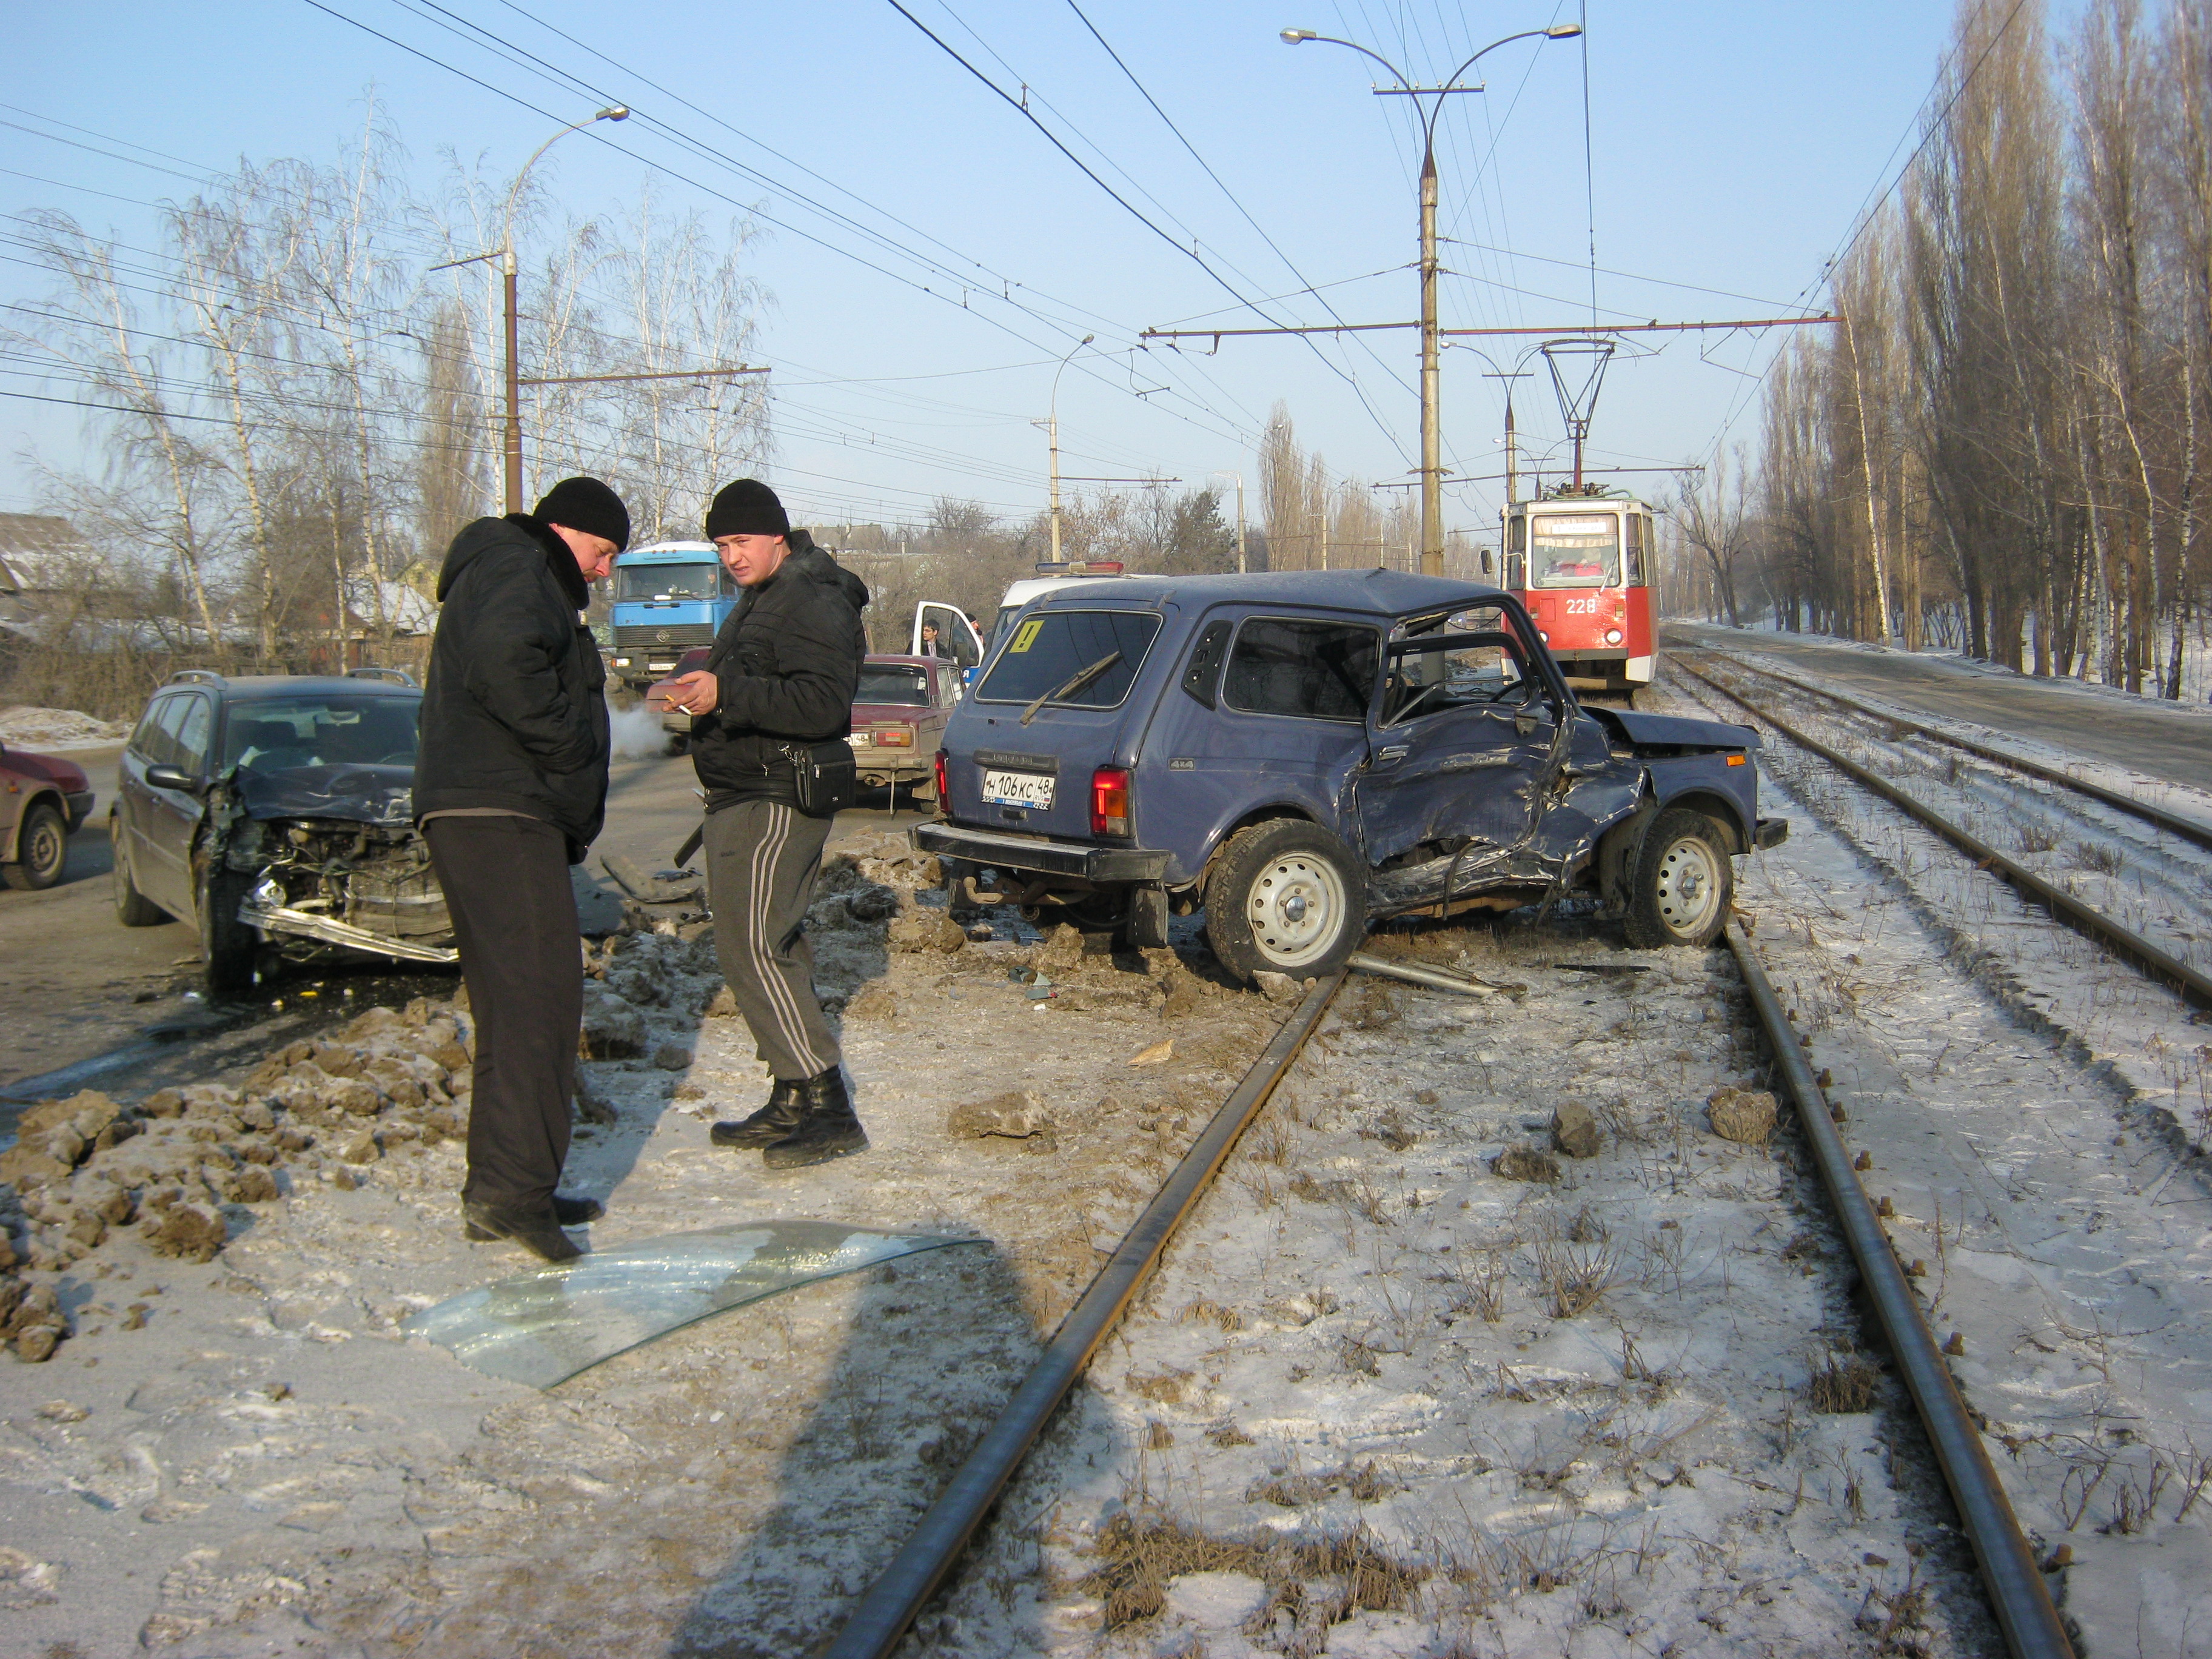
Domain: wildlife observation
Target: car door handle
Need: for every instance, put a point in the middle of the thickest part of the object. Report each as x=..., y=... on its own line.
x=1396, y=751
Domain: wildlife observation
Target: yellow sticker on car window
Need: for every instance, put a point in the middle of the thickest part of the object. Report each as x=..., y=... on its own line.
x=1025, y=636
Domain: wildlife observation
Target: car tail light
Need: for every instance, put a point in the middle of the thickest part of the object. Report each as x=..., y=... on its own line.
x=894, y=736
x=1110, y=801
x=943, y=798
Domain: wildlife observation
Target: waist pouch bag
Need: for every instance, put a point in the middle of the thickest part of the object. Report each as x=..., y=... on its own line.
x=828, y=778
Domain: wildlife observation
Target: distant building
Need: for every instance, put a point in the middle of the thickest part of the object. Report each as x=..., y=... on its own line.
x=41, y=558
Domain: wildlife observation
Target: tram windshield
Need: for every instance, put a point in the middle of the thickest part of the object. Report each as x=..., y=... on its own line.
x=1581, y=549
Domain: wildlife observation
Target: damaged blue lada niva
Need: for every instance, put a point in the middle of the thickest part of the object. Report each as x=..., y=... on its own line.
x=1305, y=753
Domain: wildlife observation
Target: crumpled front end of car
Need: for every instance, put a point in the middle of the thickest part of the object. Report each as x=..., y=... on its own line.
x=350, y=872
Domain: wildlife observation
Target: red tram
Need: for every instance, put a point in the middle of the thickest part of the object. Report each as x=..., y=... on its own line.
x=1582, y=561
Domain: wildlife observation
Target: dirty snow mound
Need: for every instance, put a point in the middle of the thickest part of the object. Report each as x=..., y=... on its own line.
x=27, y=728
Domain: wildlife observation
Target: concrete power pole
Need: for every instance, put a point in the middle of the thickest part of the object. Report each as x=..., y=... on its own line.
x=1433, y=481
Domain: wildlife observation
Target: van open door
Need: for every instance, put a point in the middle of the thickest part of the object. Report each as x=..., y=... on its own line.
x=956, y=636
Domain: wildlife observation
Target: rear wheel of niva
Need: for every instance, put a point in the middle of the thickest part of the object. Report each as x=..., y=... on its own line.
x=230, y=945
x=1286, y=896
x=1682, y=884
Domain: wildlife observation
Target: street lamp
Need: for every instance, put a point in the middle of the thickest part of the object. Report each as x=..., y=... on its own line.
x=1239, y=476
x=1432, y=532
x=505, y=254
x=1052, y=435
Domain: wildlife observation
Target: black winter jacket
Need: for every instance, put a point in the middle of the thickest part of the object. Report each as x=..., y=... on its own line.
x=515, y=712
x=788, y=662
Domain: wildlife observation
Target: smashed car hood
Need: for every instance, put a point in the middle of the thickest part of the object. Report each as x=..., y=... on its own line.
x=357, y=793
x=541, y=1326
x=1673, y=731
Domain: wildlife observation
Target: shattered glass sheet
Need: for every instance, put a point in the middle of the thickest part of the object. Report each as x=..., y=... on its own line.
x=543, y=1327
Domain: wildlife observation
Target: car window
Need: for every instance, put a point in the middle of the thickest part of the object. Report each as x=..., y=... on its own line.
x=1320, y=671
x=1481, y=655
x=278, y=734
x=893, y=683
x=1051, y=648
x=192, y=735
x=148, y=742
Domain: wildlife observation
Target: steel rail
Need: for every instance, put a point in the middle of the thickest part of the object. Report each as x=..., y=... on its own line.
x=2018, y=1594
x=2193, y=985
x=890, y=1604
x=2187, y=829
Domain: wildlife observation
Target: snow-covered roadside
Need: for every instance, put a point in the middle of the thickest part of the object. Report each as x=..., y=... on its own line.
x=1386, y=1400
x=2115, y=1022
x=246, y=1455
x=28, y=727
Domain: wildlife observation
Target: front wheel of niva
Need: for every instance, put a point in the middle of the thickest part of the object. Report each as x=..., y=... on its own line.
x=1286, y=896
x=1682, y=883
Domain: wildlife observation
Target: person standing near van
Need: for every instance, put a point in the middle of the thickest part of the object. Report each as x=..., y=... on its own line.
x=510, y=789
x=780, y=678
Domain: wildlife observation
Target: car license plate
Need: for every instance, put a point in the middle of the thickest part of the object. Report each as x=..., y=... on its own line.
x=1017, y=789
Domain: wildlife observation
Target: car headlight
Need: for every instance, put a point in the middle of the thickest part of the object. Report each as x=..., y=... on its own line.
x=1612, y=636
x=622, y=662
x=1542, y=635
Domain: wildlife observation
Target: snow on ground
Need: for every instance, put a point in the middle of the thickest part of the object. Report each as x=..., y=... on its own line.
x=247, y=1456
x=27, y=728
x=1593, y=1415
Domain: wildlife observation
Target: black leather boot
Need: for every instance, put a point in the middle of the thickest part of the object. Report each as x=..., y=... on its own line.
x=828, y=1127
x=568, y=1212
x=535, y=1229
x=771, y=1123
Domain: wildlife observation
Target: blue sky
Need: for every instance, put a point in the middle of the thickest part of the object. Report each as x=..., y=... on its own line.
x=1731, y=145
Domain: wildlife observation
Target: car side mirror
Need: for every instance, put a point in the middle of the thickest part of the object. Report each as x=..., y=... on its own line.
x=172, y=777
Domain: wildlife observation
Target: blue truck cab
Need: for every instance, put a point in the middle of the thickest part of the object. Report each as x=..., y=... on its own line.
x=668, y=597
x=1304, y=753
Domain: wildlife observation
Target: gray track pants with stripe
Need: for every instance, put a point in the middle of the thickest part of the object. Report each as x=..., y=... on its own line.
x=761, y=860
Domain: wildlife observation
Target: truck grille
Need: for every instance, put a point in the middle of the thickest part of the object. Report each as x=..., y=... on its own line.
x=663, y=636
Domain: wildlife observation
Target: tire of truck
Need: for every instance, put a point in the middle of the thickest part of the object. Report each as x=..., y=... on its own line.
x=1682, y=883
x=230, y=945
x=41, y=849
x=1286, y=896
x=132, y=907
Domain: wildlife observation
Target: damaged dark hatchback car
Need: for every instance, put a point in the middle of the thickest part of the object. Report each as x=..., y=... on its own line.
x=1305, y=753
x=276, y=814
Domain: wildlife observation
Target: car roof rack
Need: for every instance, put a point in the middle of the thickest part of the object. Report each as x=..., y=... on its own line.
x=195, y=677
x=394, y=676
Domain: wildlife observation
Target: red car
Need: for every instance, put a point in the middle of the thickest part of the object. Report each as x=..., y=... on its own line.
x=42, y=801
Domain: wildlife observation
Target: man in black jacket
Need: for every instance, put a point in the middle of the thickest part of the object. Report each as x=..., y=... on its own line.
x=510, y=789
x=782, y=675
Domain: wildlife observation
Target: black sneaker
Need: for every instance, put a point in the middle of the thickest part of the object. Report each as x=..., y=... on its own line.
x=771, y=1123
x=828, y=1127
x=568, y=1212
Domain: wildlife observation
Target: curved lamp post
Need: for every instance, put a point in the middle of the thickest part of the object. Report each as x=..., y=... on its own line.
x=1433, y=528
x=1052, y=434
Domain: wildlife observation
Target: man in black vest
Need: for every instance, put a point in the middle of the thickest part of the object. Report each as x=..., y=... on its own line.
x=510, y=789
x=782, y=675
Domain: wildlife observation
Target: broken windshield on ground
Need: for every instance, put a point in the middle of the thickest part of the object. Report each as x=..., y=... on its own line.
x=1047, y=650
x=543, y=1326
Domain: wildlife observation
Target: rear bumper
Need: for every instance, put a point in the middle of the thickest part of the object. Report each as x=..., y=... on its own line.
x=1048, y=857
x=1773, y=832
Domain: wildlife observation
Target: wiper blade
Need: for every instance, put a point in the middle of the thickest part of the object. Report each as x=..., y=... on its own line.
x=1075, y=682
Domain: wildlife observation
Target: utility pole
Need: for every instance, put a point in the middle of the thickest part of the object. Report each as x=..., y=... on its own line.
x=1052, y=437
x=1432, y=476
x=1239, y=476
x=1512, y=450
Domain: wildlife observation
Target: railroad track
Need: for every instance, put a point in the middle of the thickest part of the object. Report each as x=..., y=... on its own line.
x=2128, y=943
x=2018, y=1595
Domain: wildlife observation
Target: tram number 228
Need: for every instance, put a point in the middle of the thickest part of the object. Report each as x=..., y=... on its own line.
x=1584, y=606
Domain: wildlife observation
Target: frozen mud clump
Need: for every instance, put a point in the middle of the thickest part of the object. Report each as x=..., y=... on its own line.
x=1526, y=1163
x=1745, y=1115
x=1017, y=1115
x=1574, y=1130
x=191, y=1232
x=613, y=1028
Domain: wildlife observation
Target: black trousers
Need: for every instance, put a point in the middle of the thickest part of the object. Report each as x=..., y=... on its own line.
x=506, y=882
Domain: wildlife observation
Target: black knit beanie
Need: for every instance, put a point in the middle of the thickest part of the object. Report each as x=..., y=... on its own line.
x=587, y=505
x=747, y=508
